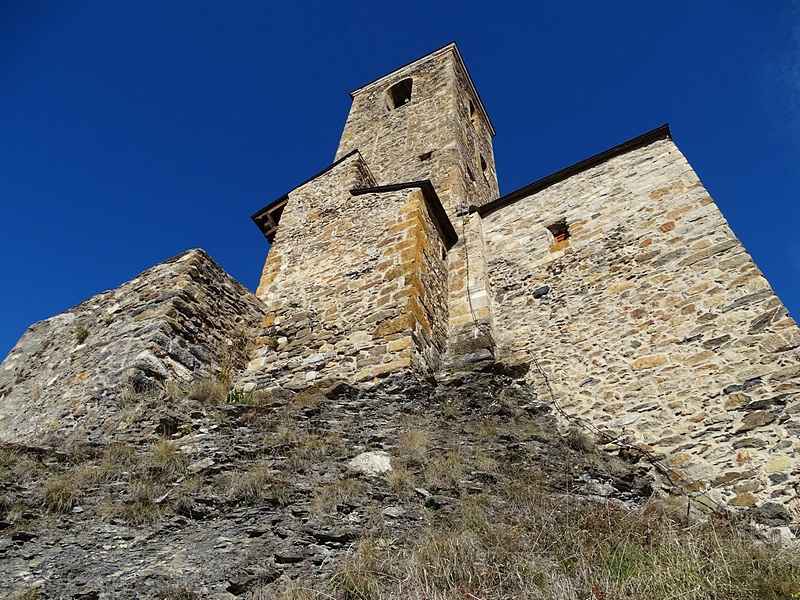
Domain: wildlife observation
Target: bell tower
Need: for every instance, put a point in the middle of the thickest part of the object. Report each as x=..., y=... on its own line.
x=426, y=121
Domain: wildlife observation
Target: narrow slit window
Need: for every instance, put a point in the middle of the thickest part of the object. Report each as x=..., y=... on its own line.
x=399, y=94
x=560, y=231
x=473, y=115
x=484, y=166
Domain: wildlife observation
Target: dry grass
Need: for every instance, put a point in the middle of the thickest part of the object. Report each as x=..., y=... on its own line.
x=209, y=391
x=62, y=493
x=537, y=549
x=311, y=448
x=401, y=482
x=412, y=447
x=164, y=462
x=30, y=594
x=139, y=507
x=328, y=497
x=445, y=470
x=300, y=446
x=287, y=591
x=248, y=486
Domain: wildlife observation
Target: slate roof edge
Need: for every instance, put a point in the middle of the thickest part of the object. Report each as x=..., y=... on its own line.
x=638, y=142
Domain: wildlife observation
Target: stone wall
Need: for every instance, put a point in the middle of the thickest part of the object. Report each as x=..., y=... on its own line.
x=355, y=284
x=184, y=319
x=657, y=327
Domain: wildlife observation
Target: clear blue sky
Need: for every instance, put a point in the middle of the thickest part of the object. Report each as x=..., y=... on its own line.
x=132, y=131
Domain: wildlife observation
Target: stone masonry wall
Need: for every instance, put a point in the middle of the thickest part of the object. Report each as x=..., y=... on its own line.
x=184, y=319
x=658, y=326
x=355, y=285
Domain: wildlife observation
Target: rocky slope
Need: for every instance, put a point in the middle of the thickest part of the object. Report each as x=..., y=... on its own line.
x=201, y=498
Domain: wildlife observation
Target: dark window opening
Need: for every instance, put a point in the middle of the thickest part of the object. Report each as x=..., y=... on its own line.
x=484, y=166
x=399, y=94
x=470, y=173
x=473, y=115
x=425, y=156
x=559, y=230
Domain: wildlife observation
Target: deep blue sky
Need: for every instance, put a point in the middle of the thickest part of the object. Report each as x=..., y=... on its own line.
x=132, y=131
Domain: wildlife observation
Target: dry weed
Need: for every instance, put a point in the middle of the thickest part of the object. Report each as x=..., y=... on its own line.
x=412, y=447
x=165, y=462
x=210, y=391
x=328, y=497
x=249, y=486
x=61, y=493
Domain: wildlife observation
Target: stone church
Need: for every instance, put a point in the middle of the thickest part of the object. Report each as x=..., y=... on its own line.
x=614, y=287
x=617, y=277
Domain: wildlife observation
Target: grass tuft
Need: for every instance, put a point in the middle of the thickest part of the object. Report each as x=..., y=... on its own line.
x=210, y=391
x=62, y=493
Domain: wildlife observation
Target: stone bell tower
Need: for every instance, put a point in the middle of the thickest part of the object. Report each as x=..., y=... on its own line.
x=426, y=121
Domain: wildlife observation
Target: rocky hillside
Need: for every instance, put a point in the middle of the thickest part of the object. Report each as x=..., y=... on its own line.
x=132, y=465
x=461, y=488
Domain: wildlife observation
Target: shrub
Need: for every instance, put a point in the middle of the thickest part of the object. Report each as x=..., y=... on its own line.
x=81, y=333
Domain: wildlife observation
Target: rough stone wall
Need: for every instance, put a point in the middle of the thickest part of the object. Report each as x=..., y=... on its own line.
x=355, y=285
x=183, y=319
x=435, y=136
x=657, y=327
x=471, y=327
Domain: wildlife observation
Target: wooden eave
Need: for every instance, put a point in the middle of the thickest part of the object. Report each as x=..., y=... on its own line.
x=267, y=218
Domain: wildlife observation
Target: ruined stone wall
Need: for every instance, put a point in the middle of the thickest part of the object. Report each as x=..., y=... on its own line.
x=436, y=136
x=184, y=319
x=354, y=284
x=658, y=326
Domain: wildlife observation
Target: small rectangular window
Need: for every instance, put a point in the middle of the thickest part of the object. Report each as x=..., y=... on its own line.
x=560, y=231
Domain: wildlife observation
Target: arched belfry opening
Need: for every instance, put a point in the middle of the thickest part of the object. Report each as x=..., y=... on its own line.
x=399, y=94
